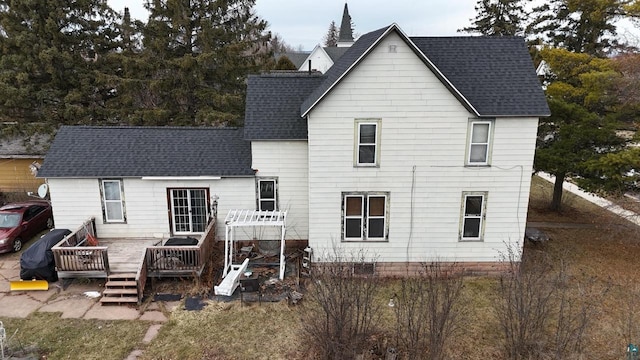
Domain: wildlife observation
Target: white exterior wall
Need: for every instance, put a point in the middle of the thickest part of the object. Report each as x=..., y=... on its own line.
x=320, y=60
x=287, y=160
x=423, y=127
x=146, y=204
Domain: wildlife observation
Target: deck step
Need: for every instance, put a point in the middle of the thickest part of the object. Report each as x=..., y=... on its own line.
x=120, y=288
x=118, y=300
x=116, y=276
x=120, y=292
x=119, y=283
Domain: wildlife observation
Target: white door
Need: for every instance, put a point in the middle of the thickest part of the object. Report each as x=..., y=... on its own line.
x=189, y=210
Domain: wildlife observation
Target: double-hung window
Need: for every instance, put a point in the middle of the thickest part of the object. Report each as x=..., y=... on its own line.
x=474, y=206
x=266, y=191
x=367, y=152
x=479, y=146
x=111, y=191
x=365, y=216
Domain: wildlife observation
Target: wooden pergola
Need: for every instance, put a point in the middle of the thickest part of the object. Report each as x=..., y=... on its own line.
x=245, y=218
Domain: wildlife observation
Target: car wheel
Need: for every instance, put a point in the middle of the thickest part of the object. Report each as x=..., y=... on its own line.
x=50, y=223
x=17, y=244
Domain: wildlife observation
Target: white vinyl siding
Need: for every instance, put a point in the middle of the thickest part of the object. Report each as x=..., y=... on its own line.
x=479, y=148
x=112, y=201
x=473, y=214
x=425, y=143
x=286, y=161
x=146, y=203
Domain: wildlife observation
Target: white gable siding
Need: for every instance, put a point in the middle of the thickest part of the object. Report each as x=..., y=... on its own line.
x=320, y=61
x=286, y=160
x=423, y=144
x=146, y=204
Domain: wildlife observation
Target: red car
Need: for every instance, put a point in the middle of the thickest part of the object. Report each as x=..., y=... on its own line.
x=19, y=222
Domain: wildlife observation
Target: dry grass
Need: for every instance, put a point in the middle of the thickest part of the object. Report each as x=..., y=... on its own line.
x=602, y=252
x=48, y=335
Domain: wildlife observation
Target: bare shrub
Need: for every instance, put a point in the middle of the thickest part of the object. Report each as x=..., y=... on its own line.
x=429, y=309
x=340, y=309
x=543, y=311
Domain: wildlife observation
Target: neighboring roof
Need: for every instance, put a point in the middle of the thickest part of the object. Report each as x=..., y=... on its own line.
x=272, y=109
x=491, y=76
x=346, y=35
x=296, y=57
x=335, y=52
x=93, y=151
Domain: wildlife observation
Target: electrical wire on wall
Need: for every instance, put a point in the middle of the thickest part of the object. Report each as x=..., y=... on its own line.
x=413, y=192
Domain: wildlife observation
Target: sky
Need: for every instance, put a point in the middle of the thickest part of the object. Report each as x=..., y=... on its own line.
x=305, y=22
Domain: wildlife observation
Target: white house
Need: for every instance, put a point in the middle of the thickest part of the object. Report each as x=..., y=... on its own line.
x=407, y=149
x=322, y=58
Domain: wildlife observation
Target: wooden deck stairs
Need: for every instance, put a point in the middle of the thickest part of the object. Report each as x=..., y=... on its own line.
x=120, y=288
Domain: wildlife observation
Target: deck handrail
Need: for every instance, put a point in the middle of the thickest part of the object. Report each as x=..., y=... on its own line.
x=71, y=256
x=141, y=277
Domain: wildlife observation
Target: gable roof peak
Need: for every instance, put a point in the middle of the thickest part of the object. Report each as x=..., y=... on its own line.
x=345, y=38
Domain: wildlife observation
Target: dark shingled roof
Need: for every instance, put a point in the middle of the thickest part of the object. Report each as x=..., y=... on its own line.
x=494, y=74
x=272, y=109
x=491, y=76
x=297, y=58
x=335, y=52
x=93, y=151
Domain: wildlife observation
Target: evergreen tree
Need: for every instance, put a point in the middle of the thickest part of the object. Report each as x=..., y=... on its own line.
x=198, y=55
x=580, y=130
x=331, y=37
x=49, y=54
x=585, y=26
x=284, y=63
x=498, y=17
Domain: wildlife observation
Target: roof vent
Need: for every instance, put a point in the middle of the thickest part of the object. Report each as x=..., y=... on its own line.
x=392, y=48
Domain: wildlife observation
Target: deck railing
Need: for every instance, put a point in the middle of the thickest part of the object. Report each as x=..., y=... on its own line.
x=165, y=261
x=74, y=259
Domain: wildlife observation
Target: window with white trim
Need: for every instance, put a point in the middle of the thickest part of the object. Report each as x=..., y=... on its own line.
x=267, y=193
x=365, y=216
x=474, y=205
x=111, y=193
x=479, y=146
x=367, y=150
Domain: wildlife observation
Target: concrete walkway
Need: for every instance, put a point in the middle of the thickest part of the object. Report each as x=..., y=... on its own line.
x=72, y=302
x=603, y=203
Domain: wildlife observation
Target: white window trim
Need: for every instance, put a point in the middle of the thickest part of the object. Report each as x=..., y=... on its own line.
x=376, y=153
x=275, y=192
x=106, y=217
x=364, y=216
x=482, y=216
x=383, y=217
x=470, y=143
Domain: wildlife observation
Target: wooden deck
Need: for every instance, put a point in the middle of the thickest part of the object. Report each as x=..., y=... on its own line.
x=126, y=255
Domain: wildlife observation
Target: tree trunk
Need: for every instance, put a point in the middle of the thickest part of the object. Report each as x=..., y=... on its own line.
x=556, y=201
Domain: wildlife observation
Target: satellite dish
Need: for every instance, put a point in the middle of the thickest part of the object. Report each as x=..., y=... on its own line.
x=42, y=190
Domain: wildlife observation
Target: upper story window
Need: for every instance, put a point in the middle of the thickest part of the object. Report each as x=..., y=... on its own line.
x=111, y=192
x=367, y=150
x=365, y=216
x=267, y=196
x=479, y=146
x=474, y=208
